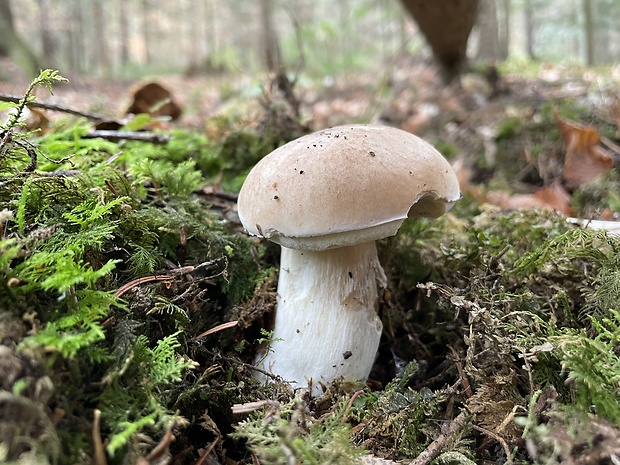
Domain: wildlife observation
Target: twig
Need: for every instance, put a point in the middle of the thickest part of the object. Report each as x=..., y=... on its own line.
x=153, y=137
x=499, y=439
x=136, y=282
x=169, y=277
x=260, y=370
x=253, y=406
x=462, y=376
x=160, y=449
x=206, y=453
x=495, y=258
x=8, y=140
x=350, y=404
x=612, y=227
x=229, y=324
x=610, y=145
x=434, y=448
x=99, y=455
x=211, y=191
x=288, y=453
x=528, y=368
x=53, y=107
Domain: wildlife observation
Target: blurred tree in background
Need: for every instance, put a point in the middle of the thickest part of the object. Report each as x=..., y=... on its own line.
x=133, y=37
x=446, y=24
x=12, y=44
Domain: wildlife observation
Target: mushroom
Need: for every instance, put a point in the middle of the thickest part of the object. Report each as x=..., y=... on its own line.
x=325, y=198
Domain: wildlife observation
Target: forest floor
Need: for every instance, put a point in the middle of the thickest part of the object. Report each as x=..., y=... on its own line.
x=501, y=324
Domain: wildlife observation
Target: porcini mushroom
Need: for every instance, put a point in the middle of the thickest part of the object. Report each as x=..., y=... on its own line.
x=325, y=198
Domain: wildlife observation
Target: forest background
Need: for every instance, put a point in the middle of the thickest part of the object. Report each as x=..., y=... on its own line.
x=146, y=36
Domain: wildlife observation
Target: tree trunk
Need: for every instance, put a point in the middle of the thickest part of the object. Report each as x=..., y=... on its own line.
x=605, y=17
x=11, y=44
x=588, y=31
x=7, y=30
x=195, y=39
x=147, y=31
x=102, y=54
x=446, y=25
x=271, y=47
x=47, y=42
x=504, y=34
x=529, y=29
x=76, y=37
x=488, y=36
x=123, y=30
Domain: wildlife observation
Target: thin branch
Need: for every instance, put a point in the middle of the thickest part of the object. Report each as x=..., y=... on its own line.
x=227, y=325
x=462, y=375
x=205, y=454
x=99, y=449
x=434, y=448
x=114, y=136
x=253, y=406
x=168, y=277
x=53, y=107
x=499, y=439
x=160, y=449
x=349, y=405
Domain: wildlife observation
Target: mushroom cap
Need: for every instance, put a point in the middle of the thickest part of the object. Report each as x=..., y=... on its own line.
x=343, y=186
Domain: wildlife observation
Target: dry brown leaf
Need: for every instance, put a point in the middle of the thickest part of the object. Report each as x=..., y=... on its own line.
x=154, y=99
x=585, y=159
x=552, y=197
x=38, y=121
x=417, y=123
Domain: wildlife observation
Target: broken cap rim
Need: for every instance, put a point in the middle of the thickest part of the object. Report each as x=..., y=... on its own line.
x=345, y=185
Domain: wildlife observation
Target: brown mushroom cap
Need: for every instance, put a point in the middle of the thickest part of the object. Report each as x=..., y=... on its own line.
x=345, y=185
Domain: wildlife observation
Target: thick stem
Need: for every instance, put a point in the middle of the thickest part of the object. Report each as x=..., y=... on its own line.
x=326, y=324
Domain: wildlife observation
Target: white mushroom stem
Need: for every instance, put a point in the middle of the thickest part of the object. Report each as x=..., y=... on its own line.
x=326, y=324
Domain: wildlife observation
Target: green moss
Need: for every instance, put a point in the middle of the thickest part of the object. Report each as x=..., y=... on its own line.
x=397, y=420
x=600, y=195
x=447, y=149
x=292, y=435
x=95, y=216
x=509, y=128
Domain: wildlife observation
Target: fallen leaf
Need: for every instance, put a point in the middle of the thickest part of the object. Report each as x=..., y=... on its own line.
x=552, y=197
x=154, y=99
x=37, y=120
x=585, y=159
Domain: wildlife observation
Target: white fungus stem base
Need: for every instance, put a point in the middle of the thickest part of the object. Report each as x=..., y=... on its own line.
x=326, y=324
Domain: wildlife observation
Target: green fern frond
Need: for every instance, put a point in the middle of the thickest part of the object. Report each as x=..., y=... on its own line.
x=143, y=259
x=126, y=430
x=77, y=331
x=165, y=307
x=9, y=250
x=167, y=178
x=141, y=403
x=163, y=364
x=603, y=293
x=92, y=210
x=46, y=78
x=60, y=271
